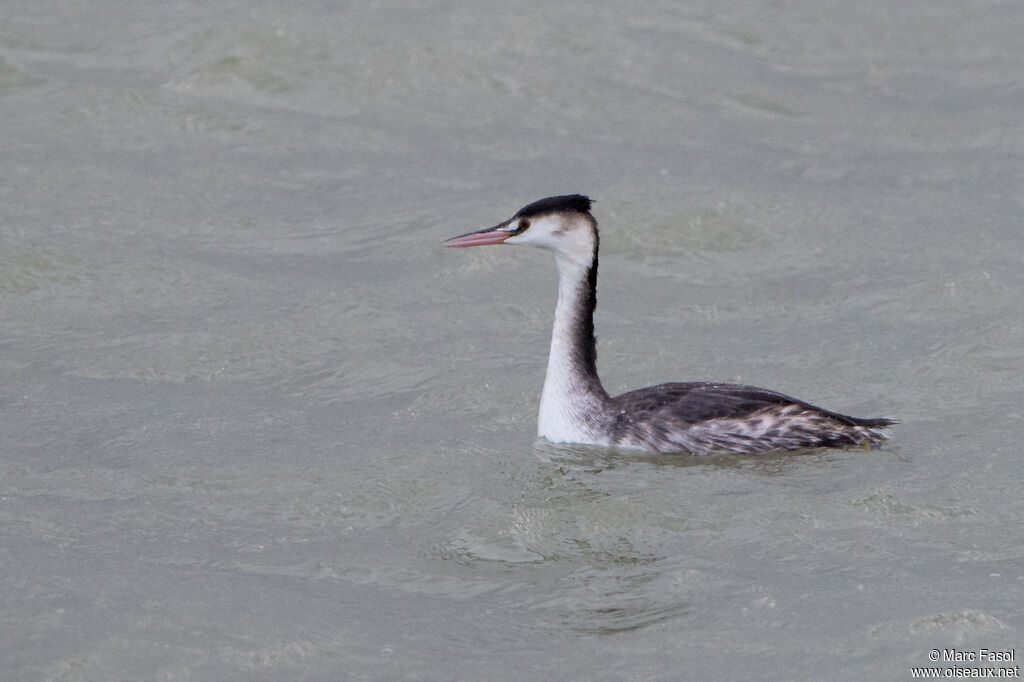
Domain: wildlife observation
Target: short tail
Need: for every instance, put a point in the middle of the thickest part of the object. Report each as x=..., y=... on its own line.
x=873, y=431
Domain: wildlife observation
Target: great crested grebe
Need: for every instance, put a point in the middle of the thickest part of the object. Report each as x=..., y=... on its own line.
x=691, y=417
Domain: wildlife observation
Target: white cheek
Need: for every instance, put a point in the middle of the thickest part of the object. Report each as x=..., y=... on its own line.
x=532, y=238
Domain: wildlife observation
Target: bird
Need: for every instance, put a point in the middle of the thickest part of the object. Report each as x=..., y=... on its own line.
x=697, y=417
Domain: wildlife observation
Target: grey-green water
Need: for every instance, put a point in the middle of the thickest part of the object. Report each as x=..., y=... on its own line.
x=259, y=424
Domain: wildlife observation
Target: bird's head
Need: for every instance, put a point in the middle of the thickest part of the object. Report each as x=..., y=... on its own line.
x=562, y=224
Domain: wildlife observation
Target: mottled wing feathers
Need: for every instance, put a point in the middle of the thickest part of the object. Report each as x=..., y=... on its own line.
x=693, y=402
x=700, y=401
x=703, y=417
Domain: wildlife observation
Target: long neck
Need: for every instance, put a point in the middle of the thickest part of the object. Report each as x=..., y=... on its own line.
x=573, y=396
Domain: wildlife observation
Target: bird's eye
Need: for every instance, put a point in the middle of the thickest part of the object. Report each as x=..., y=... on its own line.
x=521, y=227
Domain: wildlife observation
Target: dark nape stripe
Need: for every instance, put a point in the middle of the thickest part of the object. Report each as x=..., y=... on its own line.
x=583, y=326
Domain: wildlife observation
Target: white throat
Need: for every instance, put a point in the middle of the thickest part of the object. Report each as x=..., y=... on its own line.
x=572, y=398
